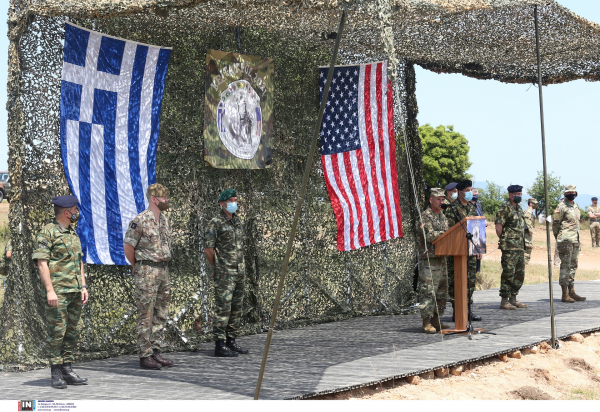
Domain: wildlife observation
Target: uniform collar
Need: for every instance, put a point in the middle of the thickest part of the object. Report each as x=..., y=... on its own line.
x=224, y=216
x=60, y=228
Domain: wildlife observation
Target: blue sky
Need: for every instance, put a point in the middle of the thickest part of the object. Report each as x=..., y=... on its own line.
x=501, y=121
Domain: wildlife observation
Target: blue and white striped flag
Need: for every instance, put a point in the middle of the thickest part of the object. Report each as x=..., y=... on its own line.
x=110, y=104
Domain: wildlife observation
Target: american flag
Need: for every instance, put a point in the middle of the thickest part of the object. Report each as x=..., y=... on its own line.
x=359, y=156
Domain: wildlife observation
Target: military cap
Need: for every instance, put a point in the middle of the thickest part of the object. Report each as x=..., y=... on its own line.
x=451, y=186
x=227, y=194
x=436, y=192
x=464, y=184
x=65, y=201
x=157, y=190
x=514, y=188
x=570, y=188
x=594, y=199
x=532, y=200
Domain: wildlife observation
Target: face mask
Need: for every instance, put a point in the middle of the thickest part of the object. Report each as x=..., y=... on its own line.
x=231, y=207
x=571, y=197
x=162, y=206
x=74, y=217
x=454, y=195
x=468, y=196
x=517, y=199
x=476, y=198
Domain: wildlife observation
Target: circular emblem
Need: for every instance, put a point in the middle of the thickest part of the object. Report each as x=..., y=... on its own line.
x=239, y=119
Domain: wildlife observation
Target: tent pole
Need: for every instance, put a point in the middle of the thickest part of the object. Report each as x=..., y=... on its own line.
x=548, y=227
x=309, y=162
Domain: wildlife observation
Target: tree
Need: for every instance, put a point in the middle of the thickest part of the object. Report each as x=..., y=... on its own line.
x=555, y=192
x=445, y=155
x=492, y=198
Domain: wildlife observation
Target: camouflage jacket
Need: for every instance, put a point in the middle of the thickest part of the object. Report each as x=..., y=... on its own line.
x=592, y=209
x=226, y=236
x=62, y=249
x=513, y=226
x=434, y=225
x=565, y=222
x=151, y=239
x=528, y=216
x=462, y=211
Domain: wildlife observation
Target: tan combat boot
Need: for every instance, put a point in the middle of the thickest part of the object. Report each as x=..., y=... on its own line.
x=565, y=294
x=427, y=326
x=437, y=324
x=513, y=301
x=574, y=295
x=505, y=304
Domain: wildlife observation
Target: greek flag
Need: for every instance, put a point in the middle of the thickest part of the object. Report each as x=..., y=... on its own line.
x=110, y=104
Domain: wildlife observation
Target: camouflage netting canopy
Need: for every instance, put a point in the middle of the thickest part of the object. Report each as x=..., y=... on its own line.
x=483, y=39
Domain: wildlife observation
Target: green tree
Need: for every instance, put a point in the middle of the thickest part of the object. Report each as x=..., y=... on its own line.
x=445, y=155
x=555, y=192
x=492, y=198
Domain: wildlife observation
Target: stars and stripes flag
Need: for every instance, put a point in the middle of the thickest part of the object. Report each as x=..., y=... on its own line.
x=359, y=156
x=110, y=105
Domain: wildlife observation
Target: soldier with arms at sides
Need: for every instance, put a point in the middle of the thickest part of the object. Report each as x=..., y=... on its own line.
x=59, y=260
x=529, y=222
x=593, y=212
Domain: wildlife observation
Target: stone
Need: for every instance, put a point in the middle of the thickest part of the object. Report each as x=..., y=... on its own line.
x=427, y=375
x=503, y=357
x=526, y=351
x=534, y=350
x=576, y=338
x=544, y=347
x=457, y=370
x=413, y=380
x=441, y=373
x=515, y=354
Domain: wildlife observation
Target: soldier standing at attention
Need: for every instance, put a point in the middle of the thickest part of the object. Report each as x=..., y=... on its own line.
x=565, y=226
x=147, y=246
x=594, y=214
x=224, y=250
x=510, y=228
x=58, y=256
x=528, y=216
x=433, y=274
x=451, y=193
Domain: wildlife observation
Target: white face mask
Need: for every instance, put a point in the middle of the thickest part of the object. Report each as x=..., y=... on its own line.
x=454, y=195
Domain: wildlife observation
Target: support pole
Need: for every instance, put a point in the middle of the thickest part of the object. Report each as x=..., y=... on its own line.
x=548, y=227
x=309, y=162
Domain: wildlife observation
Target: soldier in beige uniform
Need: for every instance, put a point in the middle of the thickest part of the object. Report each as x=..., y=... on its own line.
x=528, y=217
x=593, y=212
x=147, y=247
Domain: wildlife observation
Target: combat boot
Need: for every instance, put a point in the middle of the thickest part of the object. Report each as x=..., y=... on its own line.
x=427, y=326
x=565, y=294
x=164, y=362
x=58, y=381
x=437, y=323
x=70, y=376
x=149, y=363
x=574, y=295
x=235, y=347
x=513, y=301
x=505, y=304
x=222, y=351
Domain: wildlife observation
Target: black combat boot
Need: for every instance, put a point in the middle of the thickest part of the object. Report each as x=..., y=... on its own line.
x=234, y=346
x=222, y=351
x=71, y=377
x=57, y=378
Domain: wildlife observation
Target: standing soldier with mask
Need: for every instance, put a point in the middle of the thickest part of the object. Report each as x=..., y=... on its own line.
x=528, y=216
x=565, y=226
x=510, y=228
x=433, y=274
x=58, y=256
x=224, y=250
x=147, y=246
x=593, y=212
x=451, y=193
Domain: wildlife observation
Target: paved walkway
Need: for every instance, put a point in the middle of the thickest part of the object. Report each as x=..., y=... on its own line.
x=323, y=358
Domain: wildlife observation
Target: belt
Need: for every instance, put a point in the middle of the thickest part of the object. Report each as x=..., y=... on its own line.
x=151, y=263
x=594, y=220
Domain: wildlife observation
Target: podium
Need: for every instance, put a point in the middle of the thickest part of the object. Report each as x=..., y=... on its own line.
x=454, y=243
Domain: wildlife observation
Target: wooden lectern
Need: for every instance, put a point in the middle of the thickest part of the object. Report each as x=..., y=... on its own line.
x=454, y=243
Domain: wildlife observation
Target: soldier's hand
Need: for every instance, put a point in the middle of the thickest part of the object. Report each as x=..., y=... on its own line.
x=84, y=296
x=479, y=256
x=52, y=299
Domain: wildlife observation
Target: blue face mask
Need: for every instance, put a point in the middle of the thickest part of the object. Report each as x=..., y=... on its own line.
x=468, y=196
x=454, y=195
x=231, y=207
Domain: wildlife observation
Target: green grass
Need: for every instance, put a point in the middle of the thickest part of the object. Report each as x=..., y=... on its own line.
x=587, y=393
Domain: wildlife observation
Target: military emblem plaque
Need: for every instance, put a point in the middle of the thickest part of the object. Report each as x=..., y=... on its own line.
x=238, y=117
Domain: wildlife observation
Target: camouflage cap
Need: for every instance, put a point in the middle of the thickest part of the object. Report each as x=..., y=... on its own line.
x=532, y=200
x=570, y=188
x=227, y=194
x=157, y=190
x=437, y=192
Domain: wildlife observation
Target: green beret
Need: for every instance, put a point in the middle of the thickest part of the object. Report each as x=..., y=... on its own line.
x=227, y=194
x=157, y=190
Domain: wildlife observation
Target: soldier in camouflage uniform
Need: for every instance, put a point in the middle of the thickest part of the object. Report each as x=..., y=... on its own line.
x=593, y=212
x=147, y=246
x=455, y=213
x=224, y=249
x=565, y=226
x=510, y=228
x=433, y=274
x=529, y=219
x=59, y=260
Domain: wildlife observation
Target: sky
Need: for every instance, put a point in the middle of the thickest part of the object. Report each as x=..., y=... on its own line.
x=501, y=121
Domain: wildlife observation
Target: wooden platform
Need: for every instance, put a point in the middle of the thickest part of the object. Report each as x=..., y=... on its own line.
x=323, y=358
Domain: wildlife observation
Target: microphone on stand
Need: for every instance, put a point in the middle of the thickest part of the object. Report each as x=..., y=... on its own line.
x=444, y=206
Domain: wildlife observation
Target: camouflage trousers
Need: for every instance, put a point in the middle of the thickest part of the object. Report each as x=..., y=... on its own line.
x=63, y=331
x=229, y=304
x=471, y=276
x=556, y=255
x=569, y=257
x=513, y=272
x=595, y=233
x=528, y=254
x=152, y=295
x=433, y=286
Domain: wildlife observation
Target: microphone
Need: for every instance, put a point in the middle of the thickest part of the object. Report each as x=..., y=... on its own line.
x=444, y=206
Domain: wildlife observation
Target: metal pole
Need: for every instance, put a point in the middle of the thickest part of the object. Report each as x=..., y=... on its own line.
x=299, y=205
x=548, y=228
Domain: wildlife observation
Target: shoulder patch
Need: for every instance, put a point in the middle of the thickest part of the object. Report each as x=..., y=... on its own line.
x=133, y=225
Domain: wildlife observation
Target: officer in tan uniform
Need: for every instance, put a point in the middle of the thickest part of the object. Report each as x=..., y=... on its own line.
x=593, y=212
x=148, y=249
x=528, y=216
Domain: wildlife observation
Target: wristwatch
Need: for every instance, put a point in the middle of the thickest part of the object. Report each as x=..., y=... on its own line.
x=84, y=287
